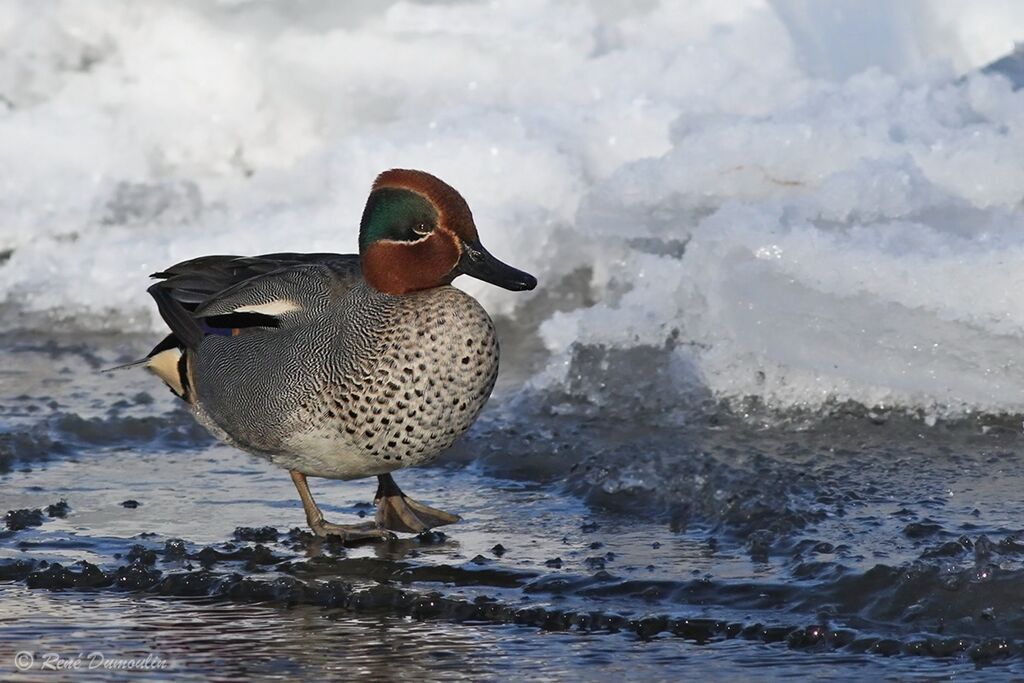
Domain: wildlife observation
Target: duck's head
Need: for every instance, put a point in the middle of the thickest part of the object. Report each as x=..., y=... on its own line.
x=417, y=233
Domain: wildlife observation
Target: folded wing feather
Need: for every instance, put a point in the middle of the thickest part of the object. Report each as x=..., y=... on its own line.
x=222, y=294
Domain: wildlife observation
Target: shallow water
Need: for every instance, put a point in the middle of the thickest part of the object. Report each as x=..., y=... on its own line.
x=762, y=416
x=864, y=545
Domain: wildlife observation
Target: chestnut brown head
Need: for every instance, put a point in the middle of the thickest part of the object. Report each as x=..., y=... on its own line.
x=417, y=232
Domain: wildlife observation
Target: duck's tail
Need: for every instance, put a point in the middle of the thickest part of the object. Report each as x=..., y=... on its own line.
x=133, y=364
x=169, y=361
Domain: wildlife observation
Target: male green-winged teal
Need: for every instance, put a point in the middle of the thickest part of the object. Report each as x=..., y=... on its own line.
x=343, y=366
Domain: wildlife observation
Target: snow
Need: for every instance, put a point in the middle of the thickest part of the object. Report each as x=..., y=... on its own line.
x=802, y=202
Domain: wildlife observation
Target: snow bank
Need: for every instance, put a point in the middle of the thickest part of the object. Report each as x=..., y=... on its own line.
x=790, y=200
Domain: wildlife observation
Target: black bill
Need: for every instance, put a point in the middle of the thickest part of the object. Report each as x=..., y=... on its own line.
x=477, y=262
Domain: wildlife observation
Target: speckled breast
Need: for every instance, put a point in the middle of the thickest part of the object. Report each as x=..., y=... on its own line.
x=379, y=383
x=432, y=369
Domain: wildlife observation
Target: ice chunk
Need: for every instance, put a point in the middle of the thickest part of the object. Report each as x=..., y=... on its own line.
x=721, y=199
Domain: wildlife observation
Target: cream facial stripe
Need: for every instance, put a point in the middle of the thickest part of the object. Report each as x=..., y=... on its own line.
x=406, y=243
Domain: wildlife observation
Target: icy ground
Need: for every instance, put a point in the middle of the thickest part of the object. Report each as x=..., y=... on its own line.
x=796, y=202
x=590, y=548
x=779, y=242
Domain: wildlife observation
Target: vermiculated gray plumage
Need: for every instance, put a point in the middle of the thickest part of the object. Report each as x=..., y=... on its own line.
x=304, y=363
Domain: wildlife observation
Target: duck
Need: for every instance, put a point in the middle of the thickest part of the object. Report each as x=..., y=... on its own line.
x=343, y=366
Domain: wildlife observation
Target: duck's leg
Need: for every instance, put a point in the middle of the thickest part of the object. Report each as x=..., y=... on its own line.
x=397, y=512
x=323, y=528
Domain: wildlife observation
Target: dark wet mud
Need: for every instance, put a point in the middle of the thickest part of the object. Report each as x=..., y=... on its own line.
x=857, y=546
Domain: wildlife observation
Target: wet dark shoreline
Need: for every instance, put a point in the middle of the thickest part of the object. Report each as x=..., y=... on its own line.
x=856, y=541
x=315, y=583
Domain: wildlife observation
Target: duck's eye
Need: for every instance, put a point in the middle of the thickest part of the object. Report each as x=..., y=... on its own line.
x=422, y=228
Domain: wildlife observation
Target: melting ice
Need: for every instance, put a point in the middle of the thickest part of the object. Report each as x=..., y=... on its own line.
x=802, y=203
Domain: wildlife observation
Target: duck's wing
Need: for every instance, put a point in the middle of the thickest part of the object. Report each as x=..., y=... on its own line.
x=226, y=295
x=200, y=280
x=214, y=294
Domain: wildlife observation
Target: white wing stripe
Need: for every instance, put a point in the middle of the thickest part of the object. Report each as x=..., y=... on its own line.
x=274, y=308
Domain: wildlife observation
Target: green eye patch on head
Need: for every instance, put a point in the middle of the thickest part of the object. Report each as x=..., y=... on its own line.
x=396, y=214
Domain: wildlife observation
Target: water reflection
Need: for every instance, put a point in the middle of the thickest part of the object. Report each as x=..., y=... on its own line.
x=203, y=640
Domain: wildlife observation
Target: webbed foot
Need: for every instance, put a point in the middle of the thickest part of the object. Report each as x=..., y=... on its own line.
x=350, y=532
x=347, y=533
x=398, y=512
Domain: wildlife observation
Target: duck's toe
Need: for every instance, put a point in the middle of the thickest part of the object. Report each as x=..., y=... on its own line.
x=431, y=517
x=403, y=514
x=349, y=533
x=398, y=512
